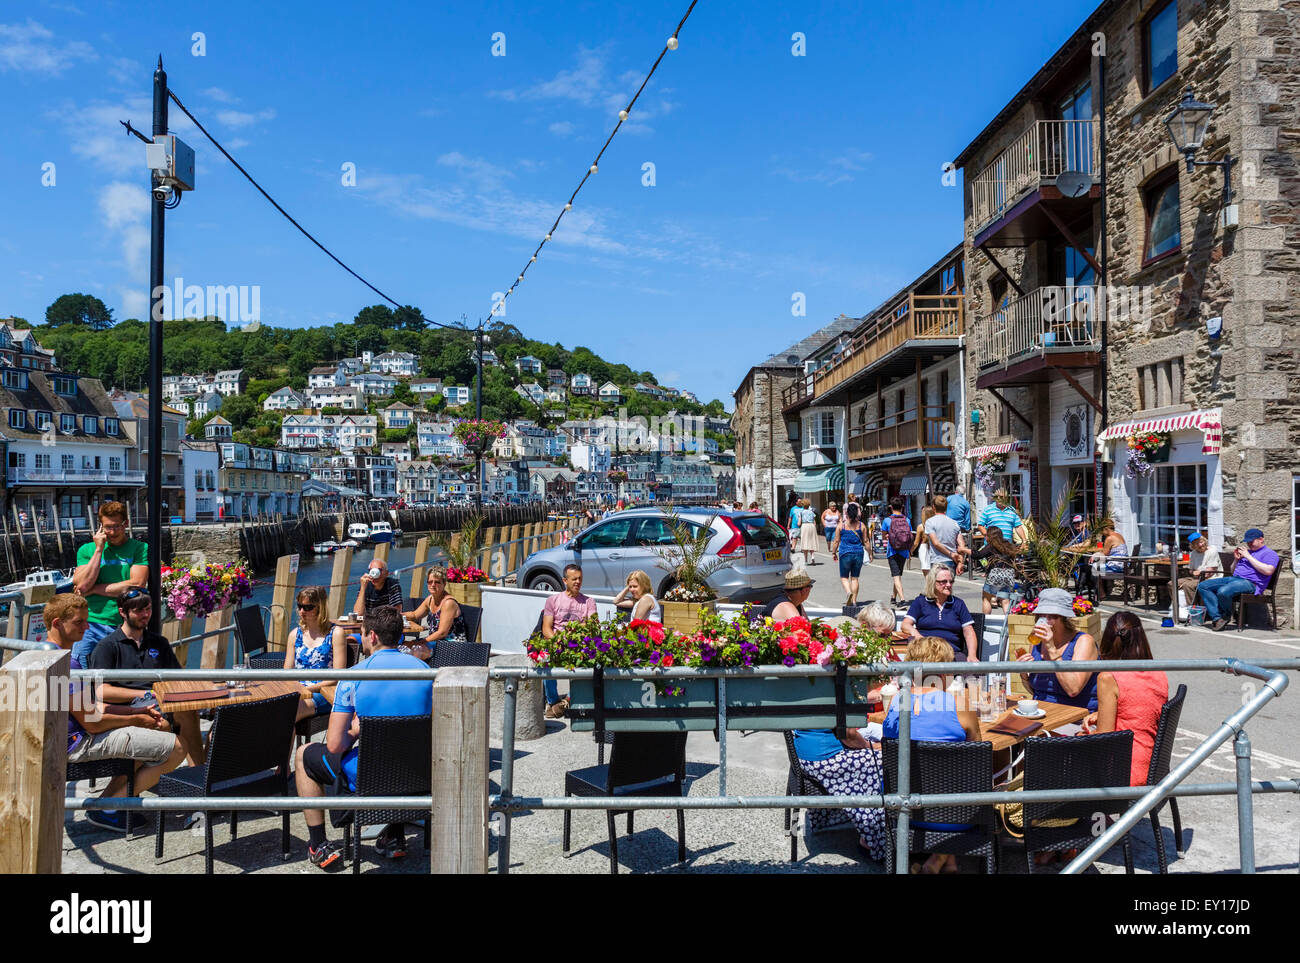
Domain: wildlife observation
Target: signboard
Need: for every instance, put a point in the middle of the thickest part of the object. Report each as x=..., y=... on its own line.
x=177, y=520
x=36, y=631
x=293, y=564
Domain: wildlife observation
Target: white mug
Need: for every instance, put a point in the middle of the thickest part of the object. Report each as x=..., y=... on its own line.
x=1027, y=707
x=373, y=573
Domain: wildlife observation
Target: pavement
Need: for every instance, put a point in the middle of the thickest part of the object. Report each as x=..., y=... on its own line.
x=753, y=841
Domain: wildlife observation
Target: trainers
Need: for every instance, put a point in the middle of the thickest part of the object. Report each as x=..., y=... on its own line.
x=328, y=854
x=114, y=822
x=391, y=843
x=556, y=709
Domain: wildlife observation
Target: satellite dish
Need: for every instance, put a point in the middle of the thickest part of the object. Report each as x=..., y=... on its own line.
x=1073, y=183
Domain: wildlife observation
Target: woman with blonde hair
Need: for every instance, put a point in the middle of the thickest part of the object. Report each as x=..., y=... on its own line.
x=439, y=614
x=636, y=597
x=318, y=644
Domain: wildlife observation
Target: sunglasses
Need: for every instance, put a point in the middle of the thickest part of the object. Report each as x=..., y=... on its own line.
x=306, y=608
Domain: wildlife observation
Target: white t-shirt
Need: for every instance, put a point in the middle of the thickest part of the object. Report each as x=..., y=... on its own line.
x=1209, y=559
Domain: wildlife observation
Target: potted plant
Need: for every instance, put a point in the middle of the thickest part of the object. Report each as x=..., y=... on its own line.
x=751, y=640
x=691, y=593
x=195, y=593
x=461, y=551
x=641, y=705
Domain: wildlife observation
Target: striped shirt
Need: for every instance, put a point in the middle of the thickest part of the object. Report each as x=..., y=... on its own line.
x=1007, y=519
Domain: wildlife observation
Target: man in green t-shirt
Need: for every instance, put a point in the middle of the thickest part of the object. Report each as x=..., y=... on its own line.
x=108, y=566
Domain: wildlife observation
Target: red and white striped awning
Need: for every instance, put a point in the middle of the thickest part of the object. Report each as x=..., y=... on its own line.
x=1209, y=422
x=1002, y=449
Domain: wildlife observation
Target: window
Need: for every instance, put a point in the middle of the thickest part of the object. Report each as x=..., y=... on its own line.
x=948, y=280
x=17, y=459
x=42, y=461
x=1295, y=515
x=1083, y=482
x=1163, y=218
x=12, y=378
x=43, y=419
x=90, y=424
x=1074, y=147
x=114, y=463
x=819, y=430
x=110, y=428
x=1160, y=385
x=64, y=385
x=1172, y=500
x=67, y=423
x=1011, y=481
x=609, y=535
x=17, y=418
x=67, y=463
x=1160, y=46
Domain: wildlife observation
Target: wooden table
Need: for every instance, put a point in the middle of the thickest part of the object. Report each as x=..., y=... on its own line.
x=1057, y=716
x=252, y=692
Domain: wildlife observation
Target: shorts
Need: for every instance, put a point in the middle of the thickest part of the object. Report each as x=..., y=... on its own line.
x=1000, y=583
x=326, y=768
x=850, y=566
x=129, y=742
x=896, y=565
x=323, y=705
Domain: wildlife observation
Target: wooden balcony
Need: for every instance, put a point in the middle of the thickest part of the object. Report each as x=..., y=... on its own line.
x=929, y=317
x=1045, y=150
x=930, y=429
x=1048, y=327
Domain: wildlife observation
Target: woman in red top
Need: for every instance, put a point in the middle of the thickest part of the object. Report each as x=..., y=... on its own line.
x=1129, y=700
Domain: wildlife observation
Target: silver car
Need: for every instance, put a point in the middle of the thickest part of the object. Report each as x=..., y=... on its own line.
x=755, y=546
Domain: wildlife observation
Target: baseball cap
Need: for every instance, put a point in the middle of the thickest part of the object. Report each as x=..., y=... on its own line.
x=1252, y=534
x=1077, y=518
x=1194, y=537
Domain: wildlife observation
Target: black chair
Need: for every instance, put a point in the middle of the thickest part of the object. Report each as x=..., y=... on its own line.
x=1079, y=762
x=1267, y=598
x=447, y=654
x=250, y=629
x=1161, y=752
x=1106, y=579
x=797, y=783
x=412, y=605
x=248, y=755
x=640, y=763
x=394, y=759
x=945, y=767
x=106, y=769
x=473, y=616
x=1139, y=574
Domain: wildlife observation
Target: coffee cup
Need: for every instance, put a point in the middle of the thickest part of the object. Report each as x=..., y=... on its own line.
x=1027, y=707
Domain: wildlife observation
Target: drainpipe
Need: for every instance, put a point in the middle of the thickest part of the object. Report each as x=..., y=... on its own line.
x=1105, y=314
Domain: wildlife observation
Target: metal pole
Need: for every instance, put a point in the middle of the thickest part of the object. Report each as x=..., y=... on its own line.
x=157, y=215
x=478, y=412
x=1245, y=803
x=507, y=771
x=722, y=736
x=902, y=848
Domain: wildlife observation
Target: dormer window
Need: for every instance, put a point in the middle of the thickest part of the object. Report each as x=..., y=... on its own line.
x=43, y=419
x=68, y=423
x=111, y=426
x=13, y=378
x=64, y=385
x=90, y=424
x=18, y=419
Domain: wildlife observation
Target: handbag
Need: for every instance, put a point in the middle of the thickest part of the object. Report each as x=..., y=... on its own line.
x=1013, y=814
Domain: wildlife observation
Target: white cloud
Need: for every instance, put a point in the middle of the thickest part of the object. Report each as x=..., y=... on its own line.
x=121, y=204
x=485, y=174
x=561, y=128
x=125, y=209
x=840, y=168
x=236, y=144
x=32, y=48
x=219, y=95
x=242, y=118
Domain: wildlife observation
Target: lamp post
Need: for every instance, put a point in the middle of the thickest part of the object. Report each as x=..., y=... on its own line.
x=1187, y=126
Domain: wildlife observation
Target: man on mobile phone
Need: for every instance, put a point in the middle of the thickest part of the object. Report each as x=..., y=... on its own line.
x=108, y=566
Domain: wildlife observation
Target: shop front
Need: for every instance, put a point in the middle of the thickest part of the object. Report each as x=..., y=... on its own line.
x=1004, y=466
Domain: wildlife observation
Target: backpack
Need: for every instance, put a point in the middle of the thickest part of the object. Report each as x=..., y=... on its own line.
x=900, y=533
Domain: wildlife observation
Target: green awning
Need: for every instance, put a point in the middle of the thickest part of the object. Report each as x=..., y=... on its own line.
x=823, y=478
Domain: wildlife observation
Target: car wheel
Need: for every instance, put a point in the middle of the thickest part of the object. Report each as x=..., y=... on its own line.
x=546, y=582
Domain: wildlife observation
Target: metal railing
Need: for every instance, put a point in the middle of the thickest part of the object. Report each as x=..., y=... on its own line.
x=1047, y=319
x=1045, y=149
x=74, y=476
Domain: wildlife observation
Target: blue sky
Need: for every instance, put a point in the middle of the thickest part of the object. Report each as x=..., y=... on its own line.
x=774, y=173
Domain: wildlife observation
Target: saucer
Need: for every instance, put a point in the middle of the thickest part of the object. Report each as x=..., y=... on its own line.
x=1030, y=715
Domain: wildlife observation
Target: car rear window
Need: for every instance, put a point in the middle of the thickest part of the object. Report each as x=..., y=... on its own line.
x=760, y=530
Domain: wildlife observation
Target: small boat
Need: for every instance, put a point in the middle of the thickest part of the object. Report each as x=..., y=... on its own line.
x=359, y=532
x=62, y=581
x=347, y=543
x=327, y=547
x=381, y=532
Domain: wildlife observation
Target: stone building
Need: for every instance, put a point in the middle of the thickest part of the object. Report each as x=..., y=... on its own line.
x=1111, y=289
x=766, y=461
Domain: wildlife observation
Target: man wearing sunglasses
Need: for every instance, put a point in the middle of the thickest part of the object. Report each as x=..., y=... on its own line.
x=133, y=646
x=108, y=566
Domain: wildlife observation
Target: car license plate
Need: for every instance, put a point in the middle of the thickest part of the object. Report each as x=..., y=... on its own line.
x=772, y=555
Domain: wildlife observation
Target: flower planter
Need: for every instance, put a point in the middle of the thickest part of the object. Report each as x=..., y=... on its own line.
x=1161, y=454
x=684, y=617
x=466, y=593
x=1019, y=641
x=772, y=704
x=635, y=705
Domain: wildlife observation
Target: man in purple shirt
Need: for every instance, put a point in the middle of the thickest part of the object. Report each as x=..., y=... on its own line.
x=561, y=608
x=1256, y=563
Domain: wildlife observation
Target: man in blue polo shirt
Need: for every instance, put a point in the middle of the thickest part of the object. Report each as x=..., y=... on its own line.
x=959, y=510
x=334, y=762
x=1001, y=516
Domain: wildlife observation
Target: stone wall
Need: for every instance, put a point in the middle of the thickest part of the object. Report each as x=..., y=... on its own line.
x=761, y=445
x=205, y=543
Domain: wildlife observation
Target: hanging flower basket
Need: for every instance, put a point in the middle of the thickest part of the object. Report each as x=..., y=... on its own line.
x=478, y=434
x=987, y=469
x=195, y=593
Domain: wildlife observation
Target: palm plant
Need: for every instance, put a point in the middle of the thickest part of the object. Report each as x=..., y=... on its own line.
x=462, y=548
x=1048, y=538
x=686, y=559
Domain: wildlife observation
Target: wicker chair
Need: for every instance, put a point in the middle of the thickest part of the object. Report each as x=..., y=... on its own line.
x=945, y=767
x=797, y=783
x=106, y=769
x=447, y=654
x=1080, y=762
x=1161, y=752
x=250, y=630
x=473, y=616
x=394, y=760
x=643, y=762
x=248, y=755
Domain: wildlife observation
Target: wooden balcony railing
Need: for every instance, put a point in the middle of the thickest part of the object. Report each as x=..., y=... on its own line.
x=1044, y=150
x=928, y=317
x=1048, y=318
x=909, y=430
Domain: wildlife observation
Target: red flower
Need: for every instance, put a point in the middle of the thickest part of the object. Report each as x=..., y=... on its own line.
x=831, y=634
x=795, y=624
x=667, y=660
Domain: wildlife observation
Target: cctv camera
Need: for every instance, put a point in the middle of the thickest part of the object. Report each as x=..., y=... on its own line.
x=161, y=192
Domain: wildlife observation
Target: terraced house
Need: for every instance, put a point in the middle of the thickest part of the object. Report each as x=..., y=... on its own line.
x=1131, y=250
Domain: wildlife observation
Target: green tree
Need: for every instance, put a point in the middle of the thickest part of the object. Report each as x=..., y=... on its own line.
x=79, y=309
x=379, y=315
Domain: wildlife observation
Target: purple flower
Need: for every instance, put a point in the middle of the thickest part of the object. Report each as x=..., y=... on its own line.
x=788, y=660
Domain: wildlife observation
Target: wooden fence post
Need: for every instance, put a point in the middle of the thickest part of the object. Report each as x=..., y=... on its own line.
x=215, y=646
x=382, y=549
x=512, y=553
x=282, y=595
x=34, y=758
x=417, y=573
x=460, y=771
x=339, y=582
x=179, y=629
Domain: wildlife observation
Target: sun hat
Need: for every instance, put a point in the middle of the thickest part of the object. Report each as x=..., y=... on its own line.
x=797, y=579
x=1252, y=534
x=1055, y=601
